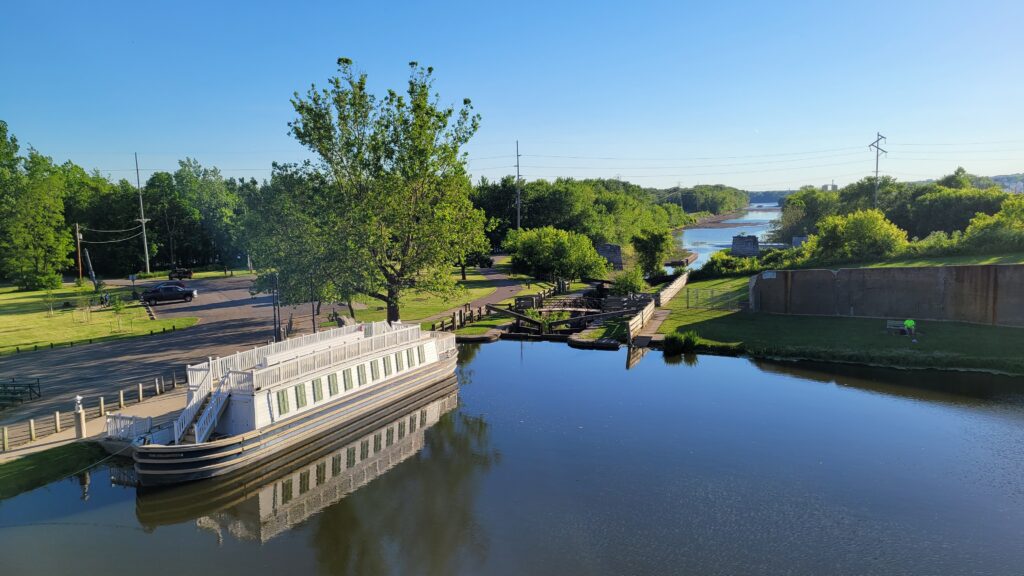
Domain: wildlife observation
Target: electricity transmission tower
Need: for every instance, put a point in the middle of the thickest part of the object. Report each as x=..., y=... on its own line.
x=878, y=152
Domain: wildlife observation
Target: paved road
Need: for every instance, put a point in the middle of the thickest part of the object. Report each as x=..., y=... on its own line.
x=230, y=320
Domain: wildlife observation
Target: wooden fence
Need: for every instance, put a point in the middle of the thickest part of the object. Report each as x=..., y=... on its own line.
x=459, y=319
x=25, y=431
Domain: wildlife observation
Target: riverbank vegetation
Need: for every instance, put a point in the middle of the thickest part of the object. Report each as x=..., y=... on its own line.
x=41, y=468
x=950, y=345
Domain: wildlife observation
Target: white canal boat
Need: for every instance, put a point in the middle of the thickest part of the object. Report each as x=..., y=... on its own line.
x=251, y=406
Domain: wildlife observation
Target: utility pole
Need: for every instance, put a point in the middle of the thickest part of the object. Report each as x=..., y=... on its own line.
x=519, y=198
x=878, y=152
x=142, y=213
x=78, y=243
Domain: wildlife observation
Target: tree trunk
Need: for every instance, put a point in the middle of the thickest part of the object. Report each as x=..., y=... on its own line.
x=392, y=304
x=463, y=264
x=351, y=310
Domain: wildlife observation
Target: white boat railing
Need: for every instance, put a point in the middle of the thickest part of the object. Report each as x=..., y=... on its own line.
x=445, y=342
x=208, y=419
x=195, y=400
x=122, y=427
x=266, y=377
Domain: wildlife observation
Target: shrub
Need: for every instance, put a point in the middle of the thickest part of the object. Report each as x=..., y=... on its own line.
x=681, y=343
x=628, y=282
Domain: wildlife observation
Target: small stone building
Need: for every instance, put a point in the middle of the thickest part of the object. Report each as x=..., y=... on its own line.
x=745, y=246
x=612, y=253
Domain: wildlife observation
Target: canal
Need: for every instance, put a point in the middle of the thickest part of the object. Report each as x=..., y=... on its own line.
x=704, y=241
x=550, y=460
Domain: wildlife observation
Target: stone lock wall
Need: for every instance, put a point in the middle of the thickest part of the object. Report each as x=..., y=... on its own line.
x=979, y=294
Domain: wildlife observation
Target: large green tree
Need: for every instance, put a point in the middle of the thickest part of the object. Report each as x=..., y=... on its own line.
x=399, y=195
x=652, y=248
x=35, y=244
x=551, y=254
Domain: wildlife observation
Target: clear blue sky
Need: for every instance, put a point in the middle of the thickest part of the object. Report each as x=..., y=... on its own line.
x=762, y=95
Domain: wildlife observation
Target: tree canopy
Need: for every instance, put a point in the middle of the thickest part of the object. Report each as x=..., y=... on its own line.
x=397, y=196
x=549, y=253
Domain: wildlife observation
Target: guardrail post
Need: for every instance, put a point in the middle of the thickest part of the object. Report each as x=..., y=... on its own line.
x=140, y=391
x=31, y=429
x=56, y=422
x=103, y=410
x=156, y=386
x=120, y=399
x=81, y=430
x=5, y=441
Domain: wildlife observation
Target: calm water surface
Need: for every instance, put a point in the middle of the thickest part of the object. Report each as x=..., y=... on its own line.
x=757, y=220
x=556, y=461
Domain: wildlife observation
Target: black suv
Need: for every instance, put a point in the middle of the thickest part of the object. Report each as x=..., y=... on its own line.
x=168, y=294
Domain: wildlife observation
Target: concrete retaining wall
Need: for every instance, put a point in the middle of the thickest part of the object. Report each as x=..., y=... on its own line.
x=978, y=294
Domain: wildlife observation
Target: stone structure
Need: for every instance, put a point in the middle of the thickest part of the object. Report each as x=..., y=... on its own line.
x=977, y=294
x=745, y=246
x=612, y=253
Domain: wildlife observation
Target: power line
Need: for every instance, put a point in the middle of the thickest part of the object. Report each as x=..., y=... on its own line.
x=112, y=231
x=878, y=152
x=111, y=241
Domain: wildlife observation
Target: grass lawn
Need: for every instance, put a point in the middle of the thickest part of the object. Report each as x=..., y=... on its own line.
x=482, y=326
x=26, y=319
x=613, y=328
x=419, y=305
x=41, y=468
x=1014, y=258
x=196, y=275
x=939, y=344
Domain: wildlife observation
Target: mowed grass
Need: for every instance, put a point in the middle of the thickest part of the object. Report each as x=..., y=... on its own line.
x=938, y=345
x=421, y=305
x=26, y=319
x=484, y=325
x=970, y=260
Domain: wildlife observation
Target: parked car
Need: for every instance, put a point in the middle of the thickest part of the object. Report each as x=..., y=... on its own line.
x=180, y=274
x=177, y=283
x=168, y=294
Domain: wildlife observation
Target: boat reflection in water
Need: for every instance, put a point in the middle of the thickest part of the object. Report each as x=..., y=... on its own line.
x=268, y=500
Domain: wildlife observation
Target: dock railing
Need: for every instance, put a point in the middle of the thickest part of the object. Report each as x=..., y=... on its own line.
x=127, y=427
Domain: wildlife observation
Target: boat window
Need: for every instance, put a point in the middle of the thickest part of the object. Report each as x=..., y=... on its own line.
x=364, y=449
x=282, y=402
x=335, y=465
x=286, y=491
x=410, y=357
x=398, y=362
x=376, y=442
x=361, y=373
x=401, y=430
x=350, y=457
x=346, y=377
x=387, y=365
x=332, y=384
x=423, y=418
x=390, y=437
x=318, y=390
x=321, y=473
x=412, y=423
x=304, y=482
x=300, y=396
x=375, y=370
x=421, y=353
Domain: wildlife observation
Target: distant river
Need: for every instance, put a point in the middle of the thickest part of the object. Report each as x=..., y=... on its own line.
x=561, y=461
x=756, y=220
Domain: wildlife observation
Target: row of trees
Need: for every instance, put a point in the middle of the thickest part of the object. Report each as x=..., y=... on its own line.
x=602, y=210
x=947, y=205
x=713, y=198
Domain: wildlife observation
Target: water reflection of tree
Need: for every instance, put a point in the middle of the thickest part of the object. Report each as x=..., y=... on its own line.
x=418, y=518
x=467, y=352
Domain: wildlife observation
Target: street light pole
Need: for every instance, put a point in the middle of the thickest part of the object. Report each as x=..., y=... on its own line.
x=142, y=213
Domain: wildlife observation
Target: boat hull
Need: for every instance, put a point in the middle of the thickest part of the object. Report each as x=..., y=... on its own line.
x=157, y=465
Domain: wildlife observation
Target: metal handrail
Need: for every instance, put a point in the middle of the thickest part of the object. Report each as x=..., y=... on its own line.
x=195, y=400
x=208, y=419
